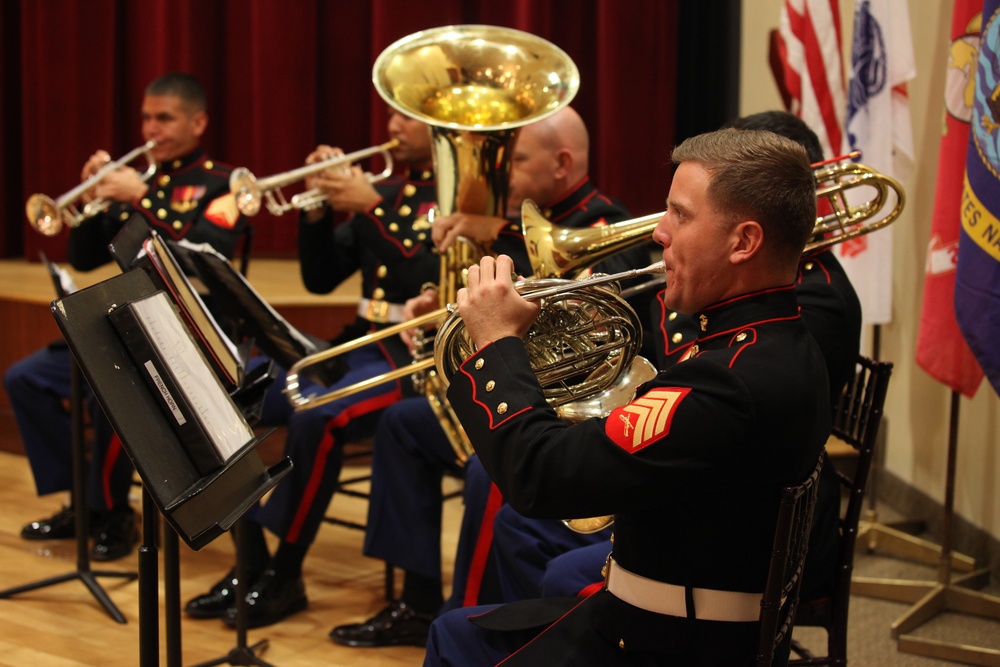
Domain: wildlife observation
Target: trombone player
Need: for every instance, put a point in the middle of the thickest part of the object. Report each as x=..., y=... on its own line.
x=386, y=237
x=186, y=196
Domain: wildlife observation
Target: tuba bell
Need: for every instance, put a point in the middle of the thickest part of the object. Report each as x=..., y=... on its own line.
x=475, y=86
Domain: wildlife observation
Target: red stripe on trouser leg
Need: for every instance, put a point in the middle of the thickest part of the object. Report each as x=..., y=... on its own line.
x=483, y=543
x=354, y=411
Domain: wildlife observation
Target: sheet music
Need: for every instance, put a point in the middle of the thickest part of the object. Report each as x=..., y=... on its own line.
x=212, y=406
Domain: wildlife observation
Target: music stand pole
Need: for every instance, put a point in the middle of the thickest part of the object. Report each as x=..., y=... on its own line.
x=80, y=514
x=241, y=654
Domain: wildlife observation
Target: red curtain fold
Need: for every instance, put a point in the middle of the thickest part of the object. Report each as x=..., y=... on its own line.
x=282, y=77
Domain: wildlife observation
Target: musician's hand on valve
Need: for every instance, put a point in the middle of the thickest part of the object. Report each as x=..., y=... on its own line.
x=490, y=306
x=317, y=181
x=91, y=167
x=482, y=229
x=414, y=307
x=123, y=184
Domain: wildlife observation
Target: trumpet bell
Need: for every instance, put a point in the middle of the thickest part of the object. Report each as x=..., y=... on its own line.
x=44, y=214
x=243, y=185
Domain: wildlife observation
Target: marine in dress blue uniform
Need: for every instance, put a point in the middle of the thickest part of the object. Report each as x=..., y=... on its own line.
x=187, y=197
x=692, y=469
x=831, y=310
x=412, y=453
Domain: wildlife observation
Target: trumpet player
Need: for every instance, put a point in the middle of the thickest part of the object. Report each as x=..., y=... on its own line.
x=386, y=237
x=186, y=197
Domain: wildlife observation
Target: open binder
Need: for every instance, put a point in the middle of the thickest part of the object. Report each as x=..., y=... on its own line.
x=111, y=329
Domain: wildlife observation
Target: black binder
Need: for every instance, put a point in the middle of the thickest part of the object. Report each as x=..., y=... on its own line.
x=199, y=506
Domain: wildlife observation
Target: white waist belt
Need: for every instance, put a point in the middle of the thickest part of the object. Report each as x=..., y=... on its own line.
x=382, y=312
x=661, y=598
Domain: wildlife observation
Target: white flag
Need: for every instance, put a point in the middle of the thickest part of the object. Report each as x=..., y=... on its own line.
x=878, y=124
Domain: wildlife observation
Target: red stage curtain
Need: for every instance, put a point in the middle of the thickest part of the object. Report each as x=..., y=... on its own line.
x=284, y=76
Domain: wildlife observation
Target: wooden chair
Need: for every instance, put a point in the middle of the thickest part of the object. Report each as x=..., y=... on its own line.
x=856, y=422
x=784, y=578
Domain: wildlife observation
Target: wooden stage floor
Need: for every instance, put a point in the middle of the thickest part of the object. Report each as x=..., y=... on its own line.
x=65, y=626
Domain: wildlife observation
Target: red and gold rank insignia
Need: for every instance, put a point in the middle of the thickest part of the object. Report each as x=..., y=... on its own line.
x=186, y=197
x=646, y=419
x=223, y=212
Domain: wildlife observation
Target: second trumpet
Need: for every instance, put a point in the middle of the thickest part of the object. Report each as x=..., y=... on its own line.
x=250, y=191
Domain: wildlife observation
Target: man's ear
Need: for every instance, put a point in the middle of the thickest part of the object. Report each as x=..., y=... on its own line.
x=200, y=121
x=748, y=238
x=565, y=159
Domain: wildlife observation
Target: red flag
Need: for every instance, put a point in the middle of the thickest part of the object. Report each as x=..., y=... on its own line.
x=812, y=70
x=941, y=349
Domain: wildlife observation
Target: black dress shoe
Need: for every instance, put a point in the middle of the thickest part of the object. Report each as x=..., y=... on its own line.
x=59, y=526
x=397, y=625
x=270, y=599
x=115, y=536
x=220, y=597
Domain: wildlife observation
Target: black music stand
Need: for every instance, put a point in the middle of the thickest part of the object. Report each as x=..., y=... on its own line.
x=78, y=493
x=198, y=505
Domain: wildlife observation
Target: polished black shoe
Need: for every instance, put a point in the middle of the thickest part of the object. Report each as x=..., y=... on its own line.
x=115, y=536
x=397, y=625
x=220, y=597
x=269, y=600
x=59, y=526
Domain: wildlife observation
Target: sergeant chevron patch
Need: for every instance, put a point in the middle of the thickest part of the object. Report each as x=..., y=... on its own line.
x=644, y=420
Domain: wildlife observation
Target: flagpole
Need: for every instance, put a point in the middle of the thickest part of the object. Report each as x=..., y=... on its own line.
x=946, y=594
x=898, y=539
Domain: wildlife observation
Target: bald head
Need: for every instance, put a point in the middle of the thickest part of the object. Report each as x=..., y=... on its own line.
x=550, y=158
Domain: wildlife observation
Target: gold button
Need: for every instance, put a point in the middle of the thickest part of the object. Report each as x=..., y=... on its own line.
x=379, y=293
x=209, y=164
x=409, y=189
x=146, y=203
x=741, y=336
x=421, y=236
x=393, y=227
x=123, y=215
x=480, y=363
x=621, y=644
x=378, y=211
x=162, y=214
x=490, y=385
x=704, y=322
x=382, y=271
x=425, y=175
x=676, y=338
x=164, y=180
x=178, y=224
x=502, y=408
x=808, y=266
x=161, y=194
x=672, y=316
x=404, y=210
x=515, y=227
x=176, y=164
x=407, y=242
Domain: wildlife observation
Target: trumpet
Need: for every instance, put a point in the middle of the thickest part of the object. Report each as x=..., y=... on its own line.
x=249, y=190
x=48, y=216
